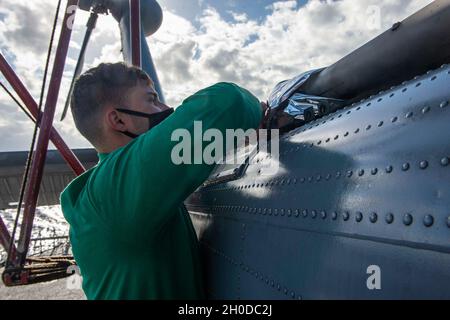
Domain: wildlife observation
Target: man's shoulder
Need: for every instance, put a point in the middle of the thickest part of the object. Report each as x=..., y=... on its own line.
x=72, y=191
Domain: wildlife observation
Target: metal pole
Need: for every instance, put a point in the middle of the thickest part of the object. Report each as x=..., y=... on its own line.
x=32, y=106
x=135, y=27
x=32, y=189
x=5, y=238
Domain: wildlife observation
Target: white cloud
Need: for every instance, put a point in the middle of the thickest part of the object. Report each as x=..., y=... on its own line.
x=256, y=55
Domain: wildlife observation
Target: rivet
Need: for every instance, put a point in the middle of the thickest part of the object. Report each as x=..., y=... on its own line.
x=359, y=108
x=314, y=214
x=348, y=112
x=282, y=212
x=357, y=130
x=369, y=104
x=338, y=175
x=334, y=215
x=275, y=212
x=423, y=164
x=389, y=218
x=319, y=177
x=379, y=100
x=426, y=109
x=409, y=115
x=310, y=179
x=369, y=127
x=405, y=89
x=305, y=213
x=278, y=287
x=448, y=221
x=328, y=140
x=346, y=134
x=428, y=220
x=434, y=78
x=394, y=119
x=269, y=211
x=293, y=294
x=346, y=215
x=337, y=137
x=380, y=124
x=391, y=95
x=319, y=143
x=359, y=217
x=265, y=211
x=444, y=104
x=395, y=26
x=349, y=174
x=407, y=219
x=389, y=169
x=445, y=161
x=361, y=172
x=373, y=217
x=272, y=283
x=297, y=213
x=405, y=166
x=302, y=180
x=295, y=181
x=374, y=171
x=418, y=84
x=323, y=215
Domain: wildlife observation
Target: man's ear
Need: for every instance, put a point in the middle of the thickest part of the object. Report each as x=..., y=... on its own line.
x=115, y=120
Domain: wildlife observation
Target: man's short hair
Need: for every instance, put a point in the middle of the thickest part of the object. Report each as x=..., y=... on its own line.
x=108, y=83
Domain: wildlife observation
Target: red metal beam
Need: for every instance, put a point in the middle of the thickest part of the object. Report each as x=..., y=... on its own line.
x=135, y=23
x=39, y=156
x=5, y=238
x=32, y=106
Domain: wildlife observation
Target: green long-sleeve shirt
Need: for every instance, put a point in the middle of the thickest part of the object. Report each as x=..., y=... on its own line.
x=130, y=232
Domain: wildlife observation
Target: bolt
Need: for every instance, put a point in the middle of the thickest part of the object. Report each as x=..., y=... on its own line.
x=407, y=219
x=389, y=218
x=423, y=164
x=359, y=217
x=428, y=220
x=346, y=215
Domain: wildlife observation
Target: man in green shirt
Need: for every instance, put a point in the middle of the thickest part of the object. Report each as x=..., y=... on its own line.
x=130, y=232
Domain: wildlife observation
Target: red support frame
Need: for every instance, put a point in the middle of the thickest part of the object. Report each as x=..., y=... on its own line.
x=5, y=238
x=39, y=156
x=135, y=23
x=32, y=106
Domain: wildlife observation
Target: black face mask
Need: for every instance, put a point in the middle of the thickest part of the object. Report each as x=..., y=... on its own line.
x=153, y=119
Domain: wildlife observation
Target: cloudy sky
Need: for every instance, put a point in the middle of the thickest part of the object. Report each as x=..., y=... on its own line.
x=254, y=43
